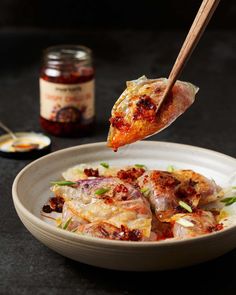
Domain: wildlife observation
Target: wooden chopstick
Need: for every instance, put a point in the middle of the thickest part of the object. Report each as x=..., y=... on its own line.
x=199, y=25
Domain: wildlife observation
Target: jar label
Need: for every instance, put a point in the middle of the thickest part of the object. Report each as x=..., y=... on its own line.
x=67, y=102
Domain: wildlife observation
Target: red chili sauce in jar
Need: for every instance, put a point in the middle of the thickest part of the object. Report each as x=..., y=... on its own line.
x=67, y=91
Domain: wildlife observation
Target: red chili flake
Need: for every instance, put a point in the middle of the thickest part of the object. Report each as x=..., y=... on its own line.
x=129, y=235
x=145, y=109
x=121, y=192
x=91, y=172
x=47, y=209
x=217, y=227
x=185, y=191
x=131, y=174
x=146, y=103
x=135, y=235
x=107, y=199
x=164, y=179
x=119, y=123
x=120, y=188
x=145, y=179
x=123, y=233
x=56, y=204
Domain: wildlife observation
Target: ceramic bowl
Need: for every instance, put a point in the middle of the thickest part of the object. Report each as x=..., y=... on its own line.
x=31, y=190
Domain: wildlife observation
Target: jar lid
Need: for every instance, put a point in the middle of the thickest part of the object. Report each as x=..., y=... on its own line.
x=68, y=52
x=27, y=145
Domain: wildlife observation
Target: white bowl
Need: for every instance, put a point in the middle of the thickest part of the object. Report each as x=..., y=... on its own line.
x=31, y=190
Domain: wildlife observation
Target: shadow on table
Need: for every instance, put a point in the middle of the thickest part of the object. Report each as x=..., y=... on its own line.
x=214, y=277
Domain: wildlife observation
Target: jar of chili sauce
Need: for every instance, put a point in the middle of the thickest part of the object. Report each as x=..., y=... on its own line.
x=67, y=90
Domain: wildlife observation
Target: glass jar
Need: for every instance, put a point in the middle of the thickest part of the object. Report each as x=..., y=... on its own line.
x=67, y=90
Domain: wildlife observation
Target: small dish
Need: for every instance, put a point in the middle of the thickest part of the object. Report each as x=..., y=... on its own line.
x=31, y=191
x=28, y=145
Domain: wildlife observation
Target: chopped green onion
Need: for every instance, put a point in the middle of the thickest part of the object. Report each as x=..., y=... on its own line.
x=105, y=165
x=229, y=201
x=185, y=206
x=67, y=223
x=63, y=182
x=140, y=166
x=101, y=191
x=145, y=191
x=170, y=168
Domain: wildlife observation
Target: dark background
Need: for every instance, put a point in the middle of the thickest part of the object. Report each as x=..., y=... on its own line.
x=128, y=39
x=72, y=14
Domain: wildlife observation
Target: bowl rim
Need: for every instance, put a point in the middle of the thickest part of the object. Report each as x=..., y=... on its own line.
x=73, y=237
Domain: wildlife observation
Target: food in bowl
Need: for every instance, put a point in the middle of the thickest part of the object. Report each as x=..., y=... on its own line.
x=134, y=203
x=136, y=114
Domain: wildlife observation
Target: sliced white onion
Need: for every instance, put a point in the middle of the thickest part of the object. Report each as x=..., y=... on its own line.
x=185, y=222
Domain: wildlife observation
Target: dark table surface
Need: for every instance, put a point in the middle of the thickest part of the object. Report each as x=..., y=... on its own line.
x=27, y=266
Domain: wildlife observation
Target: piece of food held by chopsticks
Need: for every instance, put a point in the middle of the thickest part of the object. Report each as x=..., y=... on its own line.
x=136, y=114
x=148, y=106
